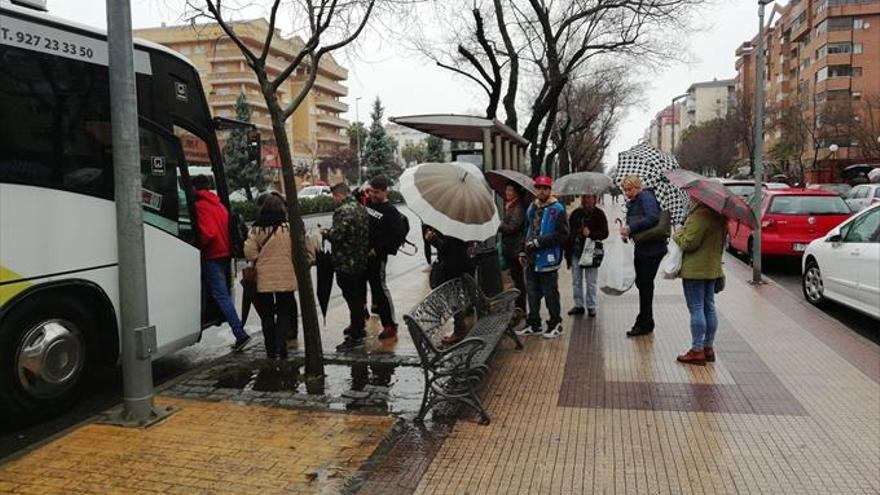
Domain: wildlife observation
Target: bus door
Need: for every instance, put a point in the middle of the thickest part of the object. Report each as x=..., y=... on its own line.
x=174, y=266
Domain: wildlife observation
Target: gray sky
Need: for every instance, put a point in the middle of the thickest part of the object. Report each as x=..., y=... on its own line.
x=408, y=84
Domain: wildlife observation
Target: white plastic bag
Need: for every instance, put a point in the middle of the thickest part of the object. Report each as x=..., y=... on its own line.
x=671, y=264
x=617, y=273
x=587, y=253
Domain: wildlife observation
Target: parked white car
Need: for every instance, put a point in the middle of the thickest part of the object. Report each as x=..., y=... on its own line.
x=844, y=265
x=863, y=195
x=313, y=191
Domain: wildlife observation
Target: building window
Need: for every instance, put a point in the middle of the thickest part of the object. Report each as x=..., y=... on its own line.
x=833, y=71
x=857, y=48
x=222, y=91
x=840, y=23
x=858, y=24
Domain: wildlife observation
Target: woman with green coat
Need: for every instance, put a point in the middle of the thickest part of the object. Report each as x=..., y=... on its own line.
x=702, y=241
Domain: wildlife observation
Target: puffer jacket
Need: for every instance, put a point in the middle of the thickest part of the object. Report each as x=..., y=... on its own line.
x=270, y=247
x=642, y=213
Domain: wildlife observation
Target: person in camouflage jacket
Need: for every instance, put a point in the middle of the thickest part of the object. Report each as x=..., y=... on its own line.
x=350, y=237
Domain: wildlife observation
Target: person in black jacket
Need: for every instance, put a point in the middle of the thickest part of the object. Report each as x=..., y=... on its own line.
x=454, y=259
x=385, y=222
x=586, y=222
x=513, y=230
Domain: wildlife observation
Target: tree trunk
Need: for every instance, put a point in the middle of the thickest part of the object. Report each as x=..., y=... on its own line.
x=248, y=193
x=314, y=361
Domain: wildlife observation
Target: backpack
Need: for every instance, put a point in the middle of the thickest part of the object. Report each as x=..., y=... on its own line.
x=401, y=230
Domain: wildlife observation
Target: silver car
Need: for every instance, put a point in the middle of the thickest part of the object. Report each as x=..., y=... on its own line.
x=862, y=196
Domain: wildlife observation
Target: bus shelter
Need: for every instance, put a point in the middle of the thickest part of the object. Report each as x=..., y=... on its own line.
x=502, y=147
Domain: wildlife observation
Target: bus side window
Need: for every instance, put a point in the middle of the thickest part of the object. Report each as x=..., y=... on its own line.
x=160, y=159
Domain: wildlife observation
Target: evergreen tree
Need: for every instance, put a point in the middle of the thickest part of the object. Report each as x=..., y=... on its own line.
x=242, y=173
x=378, y=153
x=435, y=149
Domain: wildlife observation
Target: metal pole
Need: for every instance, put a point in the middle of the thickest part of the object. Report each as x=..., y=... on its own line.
x=138, y=338
x=357, y=119
x=757, y=197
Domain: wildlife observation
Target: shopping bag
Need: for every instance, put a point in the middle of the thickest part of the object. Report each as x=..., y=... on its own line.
x=587, y=253
x=617, y=272
x=671, y=264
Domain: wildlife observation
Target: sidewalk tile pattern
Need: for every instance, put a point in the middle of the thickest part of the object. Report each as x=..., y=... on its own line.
x=781, y=411
x=204, y=447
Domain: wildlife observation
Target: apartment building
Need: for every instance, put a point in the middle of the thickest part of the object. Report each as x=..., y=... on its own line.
x=315, y=130
x=665, y=128
x=817, y=52
x=707, y=101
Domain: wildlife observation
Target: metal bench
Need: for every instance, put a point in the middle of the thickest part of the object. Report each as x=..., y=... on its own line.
x=453, y=373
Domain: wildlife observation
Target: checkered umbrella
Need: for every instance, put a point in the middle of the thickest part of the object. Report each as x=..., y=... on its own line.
x=714, y=195
x=649, y=163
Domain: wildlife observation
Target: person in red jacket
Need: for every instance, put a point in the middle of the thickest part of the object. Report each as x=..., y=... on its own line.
x=213, y=223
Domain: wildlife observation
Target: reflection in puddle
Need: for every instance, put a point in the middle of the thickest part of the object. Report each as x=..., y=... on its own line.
x=367, y=387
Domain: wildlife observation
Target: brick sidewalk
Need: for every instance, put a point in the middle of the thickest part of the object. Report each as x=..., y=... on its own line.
x=204, y=447
x=791, y=406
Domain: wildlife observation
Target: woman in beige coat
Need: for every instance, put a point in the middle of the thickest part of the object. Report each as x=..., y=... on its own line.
x=268, y=246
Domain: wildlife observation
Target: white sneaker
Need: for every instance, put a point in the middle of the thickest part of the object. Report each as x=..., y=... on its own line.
x=555, y=332
x=528, y=331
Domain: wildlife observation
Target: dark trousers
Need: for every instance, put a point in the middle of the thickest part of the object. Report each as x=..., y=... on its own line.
x=519, y=280
x=379, y=293
x=543, y=285
x=646, y=271
x=278, y=316
x=354, y=291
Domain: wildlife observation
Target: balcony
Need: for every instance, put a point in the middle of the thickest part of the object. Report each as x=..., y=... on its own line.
x=329, y=86
x=332, y=121
x=232, y=77
x=333, y=69
x=332, y=137
x=331, y=104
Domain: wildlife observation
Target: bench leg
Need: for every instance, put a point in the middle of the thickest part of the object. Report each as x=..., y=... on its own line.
x=515, y=337
x=473, y=401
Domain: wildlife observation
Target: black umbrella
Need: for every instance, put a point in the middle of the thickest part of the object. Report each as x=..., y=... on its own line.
x=248, y=293
x=324, y=265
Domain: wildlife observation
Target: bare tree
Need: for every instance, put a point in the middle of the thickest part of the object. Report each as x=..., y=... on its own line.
x=866, y=129
x=743, y=126
x=328, y=26
x=708, y=148
x=589, y=115
x=556, y=40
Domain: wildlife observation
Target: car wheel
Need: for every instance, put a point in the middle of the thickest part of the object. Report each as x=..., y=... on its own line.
x=813, y=286
x=43, y=358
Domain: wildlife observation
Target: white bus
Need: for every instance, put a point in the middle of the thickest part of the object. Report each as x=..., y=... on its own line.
x=59, y=302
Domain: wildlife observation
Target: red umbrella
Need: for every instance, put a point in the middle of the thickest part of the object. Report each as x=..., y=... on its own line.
x=498, y=180
x=713, y=194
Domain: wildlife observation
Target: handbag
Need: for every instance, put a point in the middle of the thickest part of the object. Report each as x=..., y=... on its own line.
x=671, y=264
x=719, y=284
x=587, y=252
x=659, y=232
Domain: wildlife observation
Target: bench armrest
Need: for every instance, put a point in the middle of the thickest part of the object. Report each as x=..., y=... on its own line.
x=457, y=358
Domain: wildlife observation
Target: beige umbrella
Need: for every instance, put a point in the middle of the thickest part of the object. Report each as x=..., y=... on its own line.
x=451, y=198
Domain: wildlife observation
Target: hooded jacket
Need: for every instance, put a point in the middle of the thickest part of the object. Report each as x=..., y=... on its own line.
x=551, y=233
x=213, y=222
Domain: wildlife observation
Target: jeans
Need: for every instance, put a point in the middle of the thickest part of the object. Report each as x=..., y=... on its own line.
x=577, y=283
x=700, y=298
x=646, y=271
x=215, y=277
x=543, y=285
x=278, y=315
x=519, y=280
x=381, y=296
x=354, y=291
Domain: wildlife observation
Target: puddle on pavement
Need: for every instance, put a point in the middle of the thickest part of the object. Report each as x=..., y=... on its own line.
x=368, y=387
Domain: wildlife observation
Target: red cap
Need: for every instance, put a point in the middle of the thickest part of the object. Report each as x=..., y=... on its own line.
x=543, y=180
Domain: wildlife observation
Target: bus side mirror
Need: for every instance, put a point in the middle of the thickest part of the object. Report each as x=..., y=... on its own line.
x=254, y=144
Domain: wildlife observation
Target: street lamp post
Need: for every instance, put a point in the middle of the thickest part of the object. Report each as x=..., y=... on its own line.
x=357, y=119
x=758, y=151
x=672, y=140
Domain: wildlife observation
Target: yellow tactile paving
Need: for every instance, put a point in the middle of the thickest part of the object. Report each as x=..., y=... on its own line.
x=205, y=447
x=535, y=446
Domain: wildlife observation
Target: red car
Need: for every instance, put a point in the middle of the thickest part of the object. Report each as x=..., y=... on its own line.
x=790, y=219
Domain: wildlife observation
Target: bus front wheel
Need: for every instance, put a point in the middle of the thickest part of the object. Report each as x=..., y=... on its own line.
x=43, y=358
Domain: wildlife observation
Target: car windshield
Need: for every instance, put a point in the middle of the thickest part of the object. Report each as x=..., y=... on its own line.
x=808, y=205
x=838, y=188
x=741, y=189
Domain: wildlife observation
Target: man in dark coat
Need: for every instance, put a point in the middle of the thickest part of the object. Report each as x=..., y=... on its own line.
x=385, y=224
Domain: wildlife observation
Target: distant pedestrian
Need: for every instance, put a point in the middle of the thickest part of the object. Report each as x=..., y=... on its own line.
x=268, y=247
x=386, y=225
x=213, y=224
x=588, y=227
x=546, y=234
x=642, y=213
x=454, y=259
x=349, y=238
x=702, y=241
x=512, y=232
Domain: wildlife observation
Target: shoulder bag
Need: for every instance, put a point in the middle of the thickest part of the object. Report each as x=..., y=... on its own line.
x=659, y=232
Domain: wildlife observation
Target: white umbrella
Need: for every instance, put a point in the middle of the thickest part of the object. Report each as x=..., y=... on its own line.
x=454, y=199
